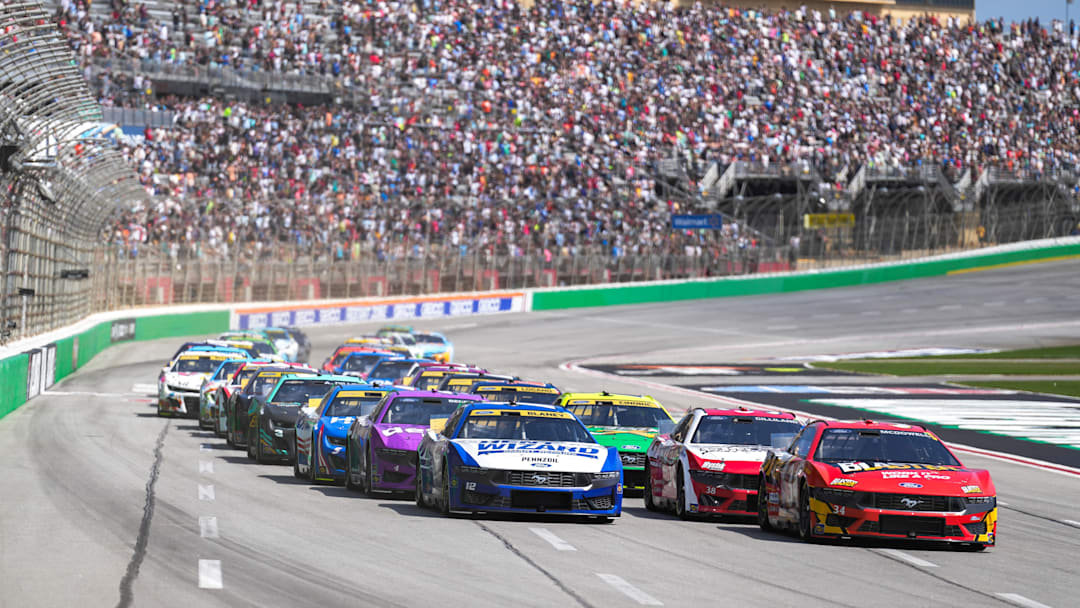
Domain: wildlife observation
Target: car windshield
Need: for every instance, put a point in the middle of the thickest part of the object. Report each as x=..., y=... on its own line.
x=406, y=339
x=873, y=445
x=299, y=391
x=227, y=369
x=200, y=365
x=533, y=428
x=619, y=415
x=504, y=395
x=428, y=339
x=429, y=381
x=353, y=406
x=361, y=363
x=746, y=430
x=420, y=410
x=391, y=368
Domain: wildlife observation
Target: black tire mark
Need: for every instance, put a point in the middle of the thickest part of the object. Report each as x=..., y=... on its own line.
x=580, y=600
x=126, y=583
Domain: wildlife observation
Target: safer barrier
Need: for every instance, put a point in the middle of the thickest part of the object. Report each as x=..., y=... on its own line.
x=25, y=375
x=667, y=291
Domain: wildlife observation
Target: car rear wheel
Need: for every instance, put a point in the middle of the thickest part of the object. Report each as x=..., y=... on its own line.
x=419, y=487
x=680, y=500
x=444, y=504
x=647, y=497
x=369, y=475
x=763, y=506
x=349, y=484
x=805, y=526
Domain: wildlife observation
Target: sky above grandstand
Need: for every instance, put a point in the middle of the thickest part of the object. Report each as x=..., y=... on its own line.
x=1011, y=10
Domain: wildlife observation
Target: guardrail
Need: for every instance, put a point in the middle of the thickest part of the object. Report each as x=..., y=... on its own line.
x=32, y=366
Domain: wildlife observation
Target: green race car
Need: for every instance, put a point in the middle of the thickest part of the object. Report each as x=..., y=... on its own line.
x=626, y=422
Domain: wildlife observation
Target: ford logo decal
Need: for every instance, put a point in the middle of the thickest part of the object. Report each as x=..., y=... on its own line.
x=908, y=484
x=540, y=465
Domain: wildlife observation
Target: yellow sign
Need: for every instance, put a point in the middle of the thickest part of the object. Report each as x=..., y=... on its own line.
x=519, y=389
x=346, y=394
x=828, y=220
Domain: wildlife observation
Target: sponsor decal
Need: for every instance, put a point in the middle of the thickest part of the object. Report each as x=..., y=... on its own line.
x=123, y=330
x=971, y=489
x=432, y=309
x=713, y=466
x=914, y=475
x=329, y=315
x=516, y=413
x=844, y=482
x=281, y=317
x=540, y=465
x=533, y=447
x=908, y=484
x=628, y=447
x=304, y=317
x=860, y=467
x=461, y=307
x=394, y=430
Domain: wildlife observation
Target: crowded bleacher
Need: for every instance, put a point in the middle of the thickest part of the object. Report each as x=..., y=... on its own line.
x=511, y=129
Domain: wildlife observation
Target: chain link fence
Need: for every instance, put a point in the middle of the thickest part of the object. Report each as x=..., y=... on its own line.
x=58, y=180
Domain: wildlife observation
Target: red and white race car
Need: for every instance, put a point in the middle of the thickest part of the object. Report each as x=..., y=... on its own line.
x=876, y=479
x=709, y=463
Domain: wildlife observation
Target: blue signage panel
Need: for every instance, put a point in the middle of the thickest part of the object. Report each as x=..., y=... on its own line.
x=712, y=221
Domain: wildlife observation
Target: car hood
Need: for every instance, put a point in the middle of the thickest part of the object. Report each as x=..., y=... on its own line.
x=401, y=436
x=933, y=480
x=187, y=380
x=624, y=439
x=518, y=455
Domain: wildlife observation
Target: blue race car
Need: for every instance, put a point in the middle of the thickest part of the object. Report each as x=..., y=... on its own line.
x=321, y=430
x=433, y=345
x=493, y=457
x=391, y=371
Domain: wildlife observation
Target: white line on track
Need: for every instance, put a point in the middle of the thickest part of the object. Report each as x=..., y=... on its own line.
x=208, y=527
x=909, y=311
x=1002, y=503
x=206, y=492
x=206, y=466
x=629, y=590
x=1034, y=300
x=210, y=574
x=950, y=307
x=994, y=303
x=907, y=557
x=1075, y=524
x=828, y=315
x=549, y=536
x=144, y=388
x=871, y=313
x=1019, y=600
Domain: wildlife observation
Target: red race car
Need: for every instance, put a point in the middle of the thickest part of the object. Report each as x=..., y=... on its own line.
x=709, y=463
x=875, y=479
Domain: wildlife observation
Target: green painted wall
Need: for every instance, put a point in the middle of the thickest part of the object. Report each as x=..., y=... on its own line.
x=13, y=381
x=553, y=299
x=96, y=339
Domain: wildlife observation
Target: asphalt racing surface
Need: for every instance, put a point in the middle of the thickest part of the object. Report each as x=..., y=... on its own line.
x=104, y=504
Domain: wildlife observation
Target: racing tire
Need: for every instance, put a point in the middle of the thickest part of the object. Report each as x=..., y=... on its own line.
x=250, y=446
x=763, y=507
x=296, y=465
x=444, y=504
x=805, y=527
x=647, y=494
x=312, y=474
x=680, y=500
x=419, y=494
x=369, y=487
x=259, y=456
x=349, y=484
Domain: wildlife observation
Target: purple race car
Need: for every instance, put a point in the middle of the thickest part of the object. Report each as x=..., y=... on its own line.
x=381, y=448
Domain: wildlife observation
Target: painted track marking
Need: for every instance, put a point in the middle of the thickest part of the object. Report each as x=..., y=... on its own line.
x=629, y=590
x=549, y=536
x=1019, y=600
x=206, y=466
x=210, y=574
x=206, y=492
x=576, y=367
x=206, y=447
x=208, y=527
x=907, y=557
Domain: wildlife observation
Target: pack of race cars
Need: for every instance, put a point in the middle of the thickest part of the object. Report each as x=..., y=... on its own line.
x=392, y=413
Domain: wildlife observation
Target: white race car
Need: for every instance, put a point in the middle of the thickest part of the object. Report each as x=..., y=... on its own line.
x=180, y=382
